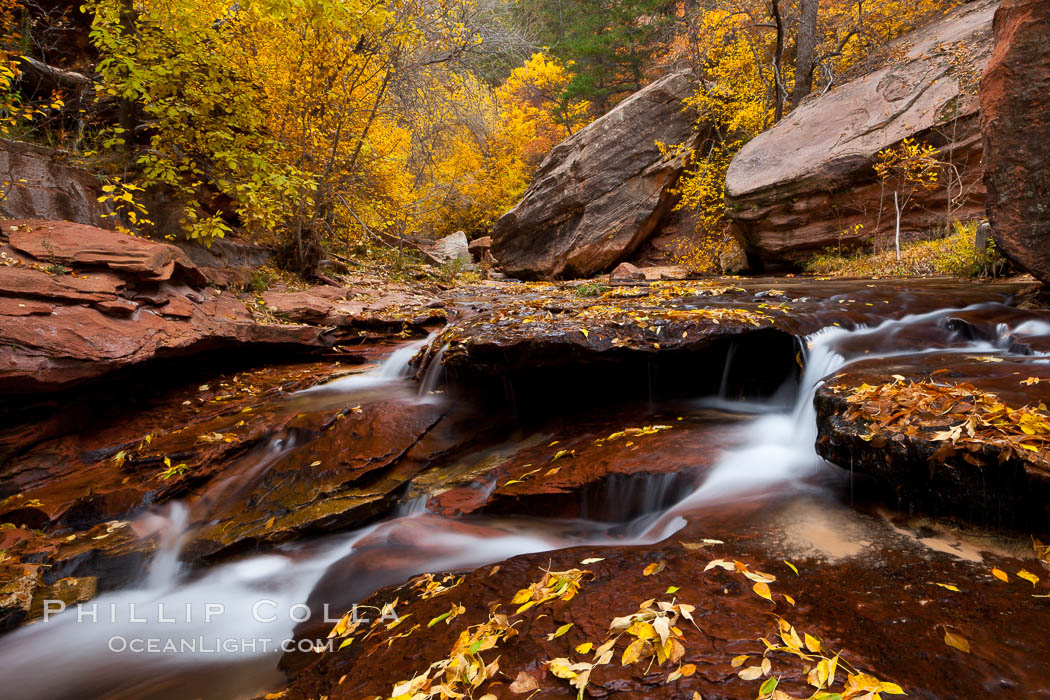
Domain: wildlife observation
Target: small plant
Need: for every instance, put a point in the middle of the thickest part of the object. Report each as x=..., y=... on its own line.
x=450, y=270
x=172, y=470
x=259, y=282
x=591, y=289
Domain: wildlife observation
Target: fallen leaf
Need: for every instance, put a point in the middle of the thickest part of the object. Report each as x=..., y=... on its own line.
x=762, y=590
x=523, y=683
x=957, y=641
x=1028, y=576
x=1000, y=574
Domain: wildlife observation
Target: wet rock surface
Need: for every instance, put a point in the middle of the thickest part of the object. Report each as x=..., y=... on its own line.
x=662, y=334
x=345, y=481
x=807, y=182
x=600, y=193
x=1014, y=107
x=919, y=467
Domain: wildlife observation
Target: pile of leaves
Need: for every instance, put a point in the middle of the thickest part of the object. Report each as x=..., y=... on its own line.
x=966, y=419
x=652, y=634
x=464, y=670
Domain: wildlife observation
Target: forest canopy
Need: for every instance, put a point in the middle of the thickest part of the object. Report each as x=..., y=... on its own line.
x=316, y=125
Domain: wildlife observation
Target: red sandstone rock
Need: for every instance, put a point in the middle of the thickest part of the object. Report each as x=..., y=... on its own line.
x=1015, y=116
x=626, y=272
x=77, y=244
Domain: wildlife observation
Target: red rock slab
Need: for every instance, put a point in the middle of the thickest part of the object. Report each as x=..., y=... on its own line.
x=988, y=485
x=24, y=307
x=76, y=343
x=582, y=470
x=92, y=286
x=81, y=245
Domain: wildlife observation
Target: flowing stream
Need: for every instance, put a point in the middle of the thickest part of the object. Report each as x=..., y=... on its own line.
x=221, y=629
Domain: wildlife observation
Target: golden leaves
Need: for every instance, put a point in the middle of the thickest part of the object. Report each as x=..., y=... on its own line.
x=963, y=417
x=553, y=585
x=1001, y=575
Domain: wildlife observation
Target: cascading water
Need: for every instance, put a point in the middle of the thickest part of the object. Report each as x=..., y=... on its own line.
x=775, y=448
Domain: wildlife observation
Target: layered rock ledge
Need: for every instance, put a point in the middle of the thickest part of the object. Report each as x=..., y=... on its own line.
x=79, y=302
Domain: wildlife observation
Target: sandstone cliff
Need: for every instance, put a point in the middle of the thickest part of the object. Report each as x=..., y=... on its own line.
x=794, y=189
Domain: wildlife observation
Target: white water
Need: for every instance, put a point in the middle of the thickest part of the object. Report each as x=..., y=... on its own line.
x=777, y=452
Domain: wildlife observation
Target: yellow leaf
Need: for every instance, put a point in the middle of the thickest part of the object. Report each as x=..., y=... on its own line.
x=1000, y=574
x=762, y=590
x=632, y=652
x=793, y=568
x=672, y=589
x=949, y=586
x=560, y=631
x=738, y=661
x=585, y=648
x=654, y=568
x=957, y=641
x=1028, y=576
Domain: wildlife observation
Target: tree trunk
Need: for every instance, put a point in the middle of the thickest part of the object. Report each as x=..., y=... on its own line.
x=778, y=62
x=805, y=49
x=897, y=235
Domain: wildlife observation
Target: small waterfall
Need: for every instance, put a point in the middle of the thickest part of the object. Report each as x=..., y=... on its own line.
x=165, y=567
x=412, y=506
x=395, y=368
x=434, y=377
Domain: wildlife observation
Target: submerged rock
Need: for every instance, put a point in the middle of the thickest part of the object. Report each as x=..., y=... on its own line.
x=600, y=193
x=1015, y=113
x=808, y=182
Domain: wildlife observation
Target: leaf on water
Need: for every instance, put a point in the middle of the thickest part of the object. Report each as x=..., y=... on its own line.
x=956, y=641
x=793, y=567
x=789, y=599
x=672, y=589
x=769, y=686
x=738, y=661
x=1028, y=576
x=812, y=643
x=1001, y=575
x=654, y=568
x=750, y=673
x=563, y=453
x=585, y=648
x=949, y=586
x=346, y=642
x=762, y=590
x=593, y=560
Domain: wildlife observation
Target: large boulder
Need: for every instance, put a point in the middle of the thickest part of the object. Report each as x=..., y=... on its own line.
x=808, y=182
x=1015, y=114
x=600, y=193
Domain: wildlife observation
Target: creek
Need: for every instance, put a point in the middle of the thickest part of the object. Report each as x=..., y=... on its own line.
x=221, y=621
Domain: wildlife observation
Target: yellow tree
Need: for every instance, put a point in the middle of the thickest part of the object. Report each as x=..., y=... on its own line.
x=906, y=169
